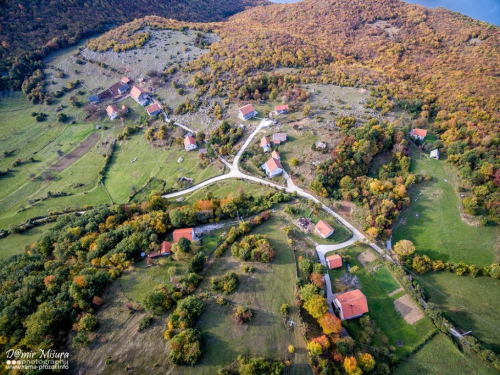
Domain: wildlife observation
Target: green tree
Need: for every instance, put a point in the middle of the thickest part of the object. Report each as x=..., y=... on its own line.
x=176, y=218
x=87, y=323
x=184, y=245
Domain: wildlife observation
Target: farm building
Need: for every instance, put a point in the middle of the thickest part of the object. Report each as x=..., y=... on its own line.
x=418, y=134
x=247, y=112
x=305, y=224
x=351, y=304
x=123, y=89
x=190, y=143
x=282, y=109
x=139, y=95
x=435, y=154
x=265, y=144
x=153, y=109
x=324, y=229
x=112, y=111
x=272, y=167
x=334, y=261
x=166, y=248
x=94, y=99
x=279, y=138
x=276, y=155
x=186, y=233
x=125, y=80
x=153, y=254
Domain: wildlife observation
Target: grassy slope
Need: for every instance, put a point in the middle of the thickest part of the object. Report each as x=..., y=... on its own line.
x=264, y=291
x=441, y=356
x=14, y=244
x=439, y=232
x=382, y=309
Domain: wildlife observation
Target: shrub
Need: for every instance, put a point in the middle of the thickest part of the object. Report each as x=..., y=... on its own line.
x=226, y=284
x=259, y=366
x=157, y=302
x=145, y=322
x=243, y=315
x=186, y=347
x=81, y=340
x=284, y=309
x=188, y=309
x=254, y=247
x=247, y=269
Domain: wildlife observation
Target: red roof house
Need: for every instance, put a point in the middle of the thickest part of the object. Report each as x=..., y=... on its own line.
x=324, y=229
x=264, y=143
x=419, y=133
x=165, y=248
x=351, y=304
x=334, y=261
x=125, y=80
x=139, y=95
x=282, y=109
x=153, y=109
x=247, y=112
x=190, y=143
x=112, y=111
x=272, y=167
x=186, y=233
x=275, y=155
x=279, y=138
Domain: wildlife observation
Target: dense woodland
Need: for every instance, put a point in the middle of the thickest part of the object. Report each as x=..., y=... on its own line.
x=31, y=29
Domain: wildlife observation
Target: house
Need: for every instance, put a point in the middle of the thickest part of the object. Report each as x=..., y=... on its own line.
x=334, y=261
x=153, y=254
x=112, y=111
x=153, y=109
x=279, y=138
x=123, y=89
x=186, y=233
x=166, y=248
x=324, y=229
x=276, y=155
x=190, y=143
x=320, y=145
x=351, y=304
x=265, y=144
x=435, y=154
x=272, y=167
x=418, y=134
x=139, y=95
x=247, y=112
x=94, y=99
x=282, y=109
x=125, y=80
x=305, y=224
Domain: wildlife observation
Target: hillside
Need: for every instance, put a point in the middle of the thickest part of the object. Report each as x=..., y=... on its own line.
x=41, y=26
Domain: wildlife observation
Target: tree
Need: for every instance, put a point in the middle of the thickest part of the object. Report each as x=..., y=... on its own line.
x=307, y=292
x=197, y=263
x=317, y=280
x=404, y=248
x=284, y=309
x=184, y=245
x=87, y=323
x=316, y=306
x=366, y=362
x=305, y=266
x=351, y=366
x=330, y=324
x=421, y=264
x=307, y=110
x=294, y=162
x=186, y=347
x=176, y=218
x=156, y=302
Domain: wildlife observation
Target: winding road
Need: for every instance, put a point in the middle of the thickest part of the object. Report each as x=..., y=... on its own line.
x=234, y=172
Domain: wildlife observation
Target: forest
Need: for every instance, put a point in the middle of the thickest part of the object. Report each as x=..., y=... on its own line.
x=29, y=30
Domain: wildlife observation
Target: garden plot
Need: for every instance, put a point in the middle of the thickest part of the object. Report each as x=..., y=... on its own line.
x=408, y=309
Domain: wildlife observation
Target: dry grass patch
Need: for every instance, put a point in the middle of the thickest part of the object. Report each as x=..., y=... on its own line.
x=408, y=309
x=366, y=257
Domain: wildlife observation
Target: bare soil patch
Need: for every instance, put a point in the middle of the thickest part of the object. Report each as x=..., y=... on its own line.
x=396, y=292
x=366, y=257
x=346, y=208
x=408, y=309
x=77, y=153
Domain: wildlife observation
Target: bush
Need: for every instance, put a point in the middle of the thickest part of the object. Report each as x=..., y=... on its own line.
x=186, y=347
x=247, y=269
x=187, y=311
x=284, y=309
x=157, y=302
x=259, y=366
x=226, y=284
x=87, y=323
x=81, y=340
x=145, y=322
x=242, y=315
x=254, y=247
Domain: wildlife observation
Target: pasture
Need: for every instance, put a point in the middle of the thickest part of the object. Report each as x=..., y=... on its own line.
x=381, y=308
x=15, y=243
x=441, y=356
x=439, y=231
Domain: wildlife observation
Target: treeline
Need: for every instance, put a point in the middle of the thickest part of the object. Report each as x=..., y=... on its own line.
x=30, y=30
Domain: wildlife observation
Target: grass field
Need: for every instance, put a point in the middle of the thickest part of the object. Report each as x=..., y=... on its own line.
x=381, y=309
x=264, y=291
x=472, y=304
x=15, y=243
x=440, y=232
x=385, y=279
x=441, y=356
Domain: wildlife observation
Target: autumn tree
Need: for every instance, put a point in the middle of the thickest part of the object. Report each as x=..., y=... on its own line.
x=351, y=366
x=330, y=324
x=404, y=248
x=317, y=279
x=316, y=306
x=366, y=362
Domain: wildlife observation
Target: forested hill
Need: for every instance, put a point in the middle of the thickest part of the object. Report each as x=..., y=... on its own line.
x=29, y=29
